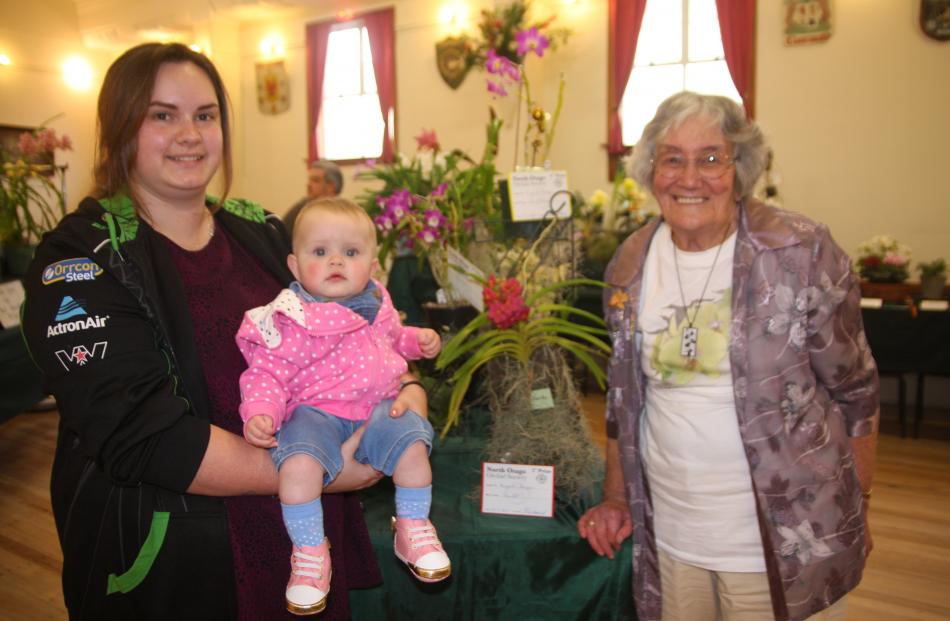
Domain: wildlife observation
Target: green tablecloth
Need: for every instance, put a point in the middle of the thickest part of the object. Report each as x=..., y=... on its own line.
x=502, y=567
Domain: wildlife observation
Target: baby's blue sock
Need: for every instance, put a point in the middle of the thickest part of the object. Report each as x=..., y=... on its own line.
x=413, y=502
x=304, y=522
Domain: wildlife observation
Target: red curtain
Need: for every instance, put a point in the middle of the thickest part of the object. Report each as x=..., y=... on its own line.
x=317, y=37
x=381, y=32
x=737, y=23
x=380, y=28
x=624, y=30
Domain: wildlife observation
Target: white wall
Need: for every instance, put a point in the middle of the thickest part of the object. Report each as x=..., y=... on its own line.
x=861, y=123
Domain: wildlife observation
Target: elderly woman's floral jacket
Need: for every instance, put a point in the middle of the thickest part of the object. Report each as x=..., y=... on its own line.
x=804, y=382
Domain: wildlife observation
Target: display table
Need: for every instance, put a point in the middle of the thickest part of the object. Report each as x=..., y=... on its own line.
x=502, y=567
x=904, y=343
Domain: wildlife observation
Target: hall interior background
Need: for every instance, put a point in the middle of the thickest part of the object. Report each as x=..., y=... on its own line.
x=859, y=125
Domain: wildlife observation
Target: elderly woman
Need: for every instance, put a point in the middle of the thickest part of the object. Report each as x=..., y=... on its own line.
x=743, y=400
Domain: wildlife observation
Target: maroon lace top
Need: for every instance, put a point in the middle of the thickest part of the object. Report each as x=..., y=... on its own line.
x=221, y=282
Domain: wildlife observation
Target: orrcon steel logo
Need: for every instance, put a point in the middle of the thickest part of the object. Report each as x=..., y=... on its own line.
x=71, y=270
x=69, y=308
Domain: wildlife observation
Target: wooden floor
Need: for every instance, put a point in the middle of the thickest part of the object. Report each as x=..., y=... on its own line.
x=907, y=578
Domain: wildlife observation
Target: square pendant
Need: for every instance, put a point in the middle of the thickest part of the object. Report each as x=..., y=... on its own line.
x=688, y=343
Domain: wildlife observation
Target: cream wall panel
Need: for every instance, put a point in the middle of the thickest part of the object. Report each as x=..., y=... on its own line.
x=860, y=123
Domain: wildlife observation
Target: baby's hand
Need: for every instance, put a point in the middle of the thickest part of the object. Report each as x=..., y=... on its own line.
x=259, y=431
x=429, y=342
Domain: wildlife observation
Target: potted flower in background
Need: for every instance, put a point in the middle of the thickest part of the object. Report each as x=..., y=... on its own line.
x=933, y=279
x=604, y=220
x=32, y=194
x=428, y=203
x=883, y=264
x=522, y=347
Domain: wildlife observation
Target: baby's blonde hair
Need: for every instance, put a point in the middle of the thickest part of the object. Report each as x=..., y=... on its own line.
x=337, y=205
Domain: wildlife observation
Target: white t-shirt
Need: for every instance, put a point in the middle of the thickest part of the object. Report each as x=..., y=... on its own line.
x=704, y=508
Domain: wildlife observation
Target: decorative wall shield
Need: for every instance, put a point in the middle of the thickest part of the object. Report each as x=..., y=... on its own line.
x=935, y=19
x=273, y=87
x=807, y=21
x=450, y=56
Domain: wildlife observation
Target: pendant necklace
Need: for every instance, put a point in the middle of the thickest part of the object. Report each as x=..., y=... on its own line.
x=690, y=338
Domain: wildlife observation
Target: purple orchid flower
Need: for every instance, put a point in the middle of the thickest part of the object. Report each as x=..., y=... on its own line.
x=495, y=88
x=428, y=236
x=439, y=190
x=434, y=219
x=531, y=41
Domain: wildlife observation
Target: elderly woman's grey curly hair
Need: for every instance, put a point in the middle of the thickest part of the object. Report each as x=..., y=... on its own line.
x=749, y=150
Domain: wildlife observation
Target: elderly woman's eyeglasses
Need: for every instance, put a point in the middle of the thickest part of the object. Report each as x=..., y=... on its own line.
x=709, y=166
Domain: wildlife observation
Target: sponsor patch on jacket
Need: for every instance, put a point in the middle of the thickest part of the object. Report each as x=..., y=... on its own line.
x=72, y=317
x=80, y=355
x=71, y=270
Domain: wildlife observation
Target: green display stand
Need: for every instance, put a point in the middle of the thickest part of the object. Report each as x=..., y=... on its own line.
x=518, y=568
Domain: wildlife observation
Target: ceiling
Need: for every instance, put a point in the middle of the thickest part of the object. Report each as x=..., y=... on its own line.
x=117, y=24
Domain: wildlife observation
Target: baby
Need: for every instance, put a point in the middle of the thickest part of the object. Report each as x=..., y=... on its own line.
x=323, y=358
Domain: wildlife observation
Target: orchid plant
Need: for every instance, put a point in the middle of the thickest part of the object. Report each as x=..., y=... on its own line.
x=525, y=311
x=506, y=72
x=604, y=220
x=508, y=33
x=514, y=326
x=32, y=200
x=430, y=200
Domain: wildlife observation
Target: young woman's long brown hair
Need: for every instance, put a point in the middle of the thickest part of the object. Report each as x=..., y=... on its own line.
x=123, y=103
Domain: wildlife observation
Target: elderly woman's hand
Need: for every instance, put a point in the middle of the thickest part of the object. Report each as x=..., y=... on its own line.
x=605, y=526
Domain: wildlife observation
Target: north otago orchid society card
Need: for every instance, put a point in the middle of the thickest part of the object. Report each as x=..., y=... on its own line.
x=518, y=489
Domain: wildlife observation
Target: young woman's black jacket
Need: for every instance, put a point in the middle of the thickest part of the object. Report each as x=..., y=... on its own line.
x=107, y=322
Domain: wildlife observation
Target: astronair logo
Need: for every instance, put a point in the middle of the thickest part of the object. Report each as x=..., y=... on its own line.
x=81, y=355
x=71, y=270
x=69, y=308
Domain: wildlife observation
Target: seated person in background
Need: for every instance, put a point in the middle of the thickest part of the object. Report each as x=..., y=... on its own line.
x=323, y=358
x=324, y=179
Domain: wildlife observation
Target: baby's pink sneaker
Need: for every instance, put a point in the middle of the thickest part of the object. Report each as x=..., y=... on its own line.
x=309, y=582
x=417, y=545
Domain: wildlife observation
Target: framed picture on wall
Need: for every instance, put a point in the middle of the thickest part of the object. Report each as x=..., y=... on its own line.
x=935, y=19
x=807, y=21
x=10, y=146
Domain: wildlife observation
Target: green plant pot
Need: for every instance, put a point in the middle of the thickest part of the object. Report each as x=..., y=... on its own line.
x=932, y=287
x=17, y=258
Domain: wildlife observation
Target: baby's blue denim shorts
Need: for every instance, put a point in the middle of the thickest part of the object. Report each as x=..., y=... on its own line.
x=320, y=435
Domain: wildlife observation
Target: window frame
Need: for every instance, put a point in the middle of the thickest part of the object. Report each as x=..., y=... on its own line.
x=382, y=22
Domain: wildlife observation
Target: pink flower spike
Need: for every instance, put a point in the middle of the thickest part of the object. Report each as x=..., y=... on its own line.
x=496, y=89
x=493, y=62
x=512, y=72
x=439, y=190
x=531, y=41
x=427, y=141
x=28, y=145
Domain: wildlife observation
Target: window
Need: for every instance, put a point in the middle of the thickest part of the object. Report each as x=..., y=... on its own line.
x=351, y=88
x=679, y=48
x=351, y=125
